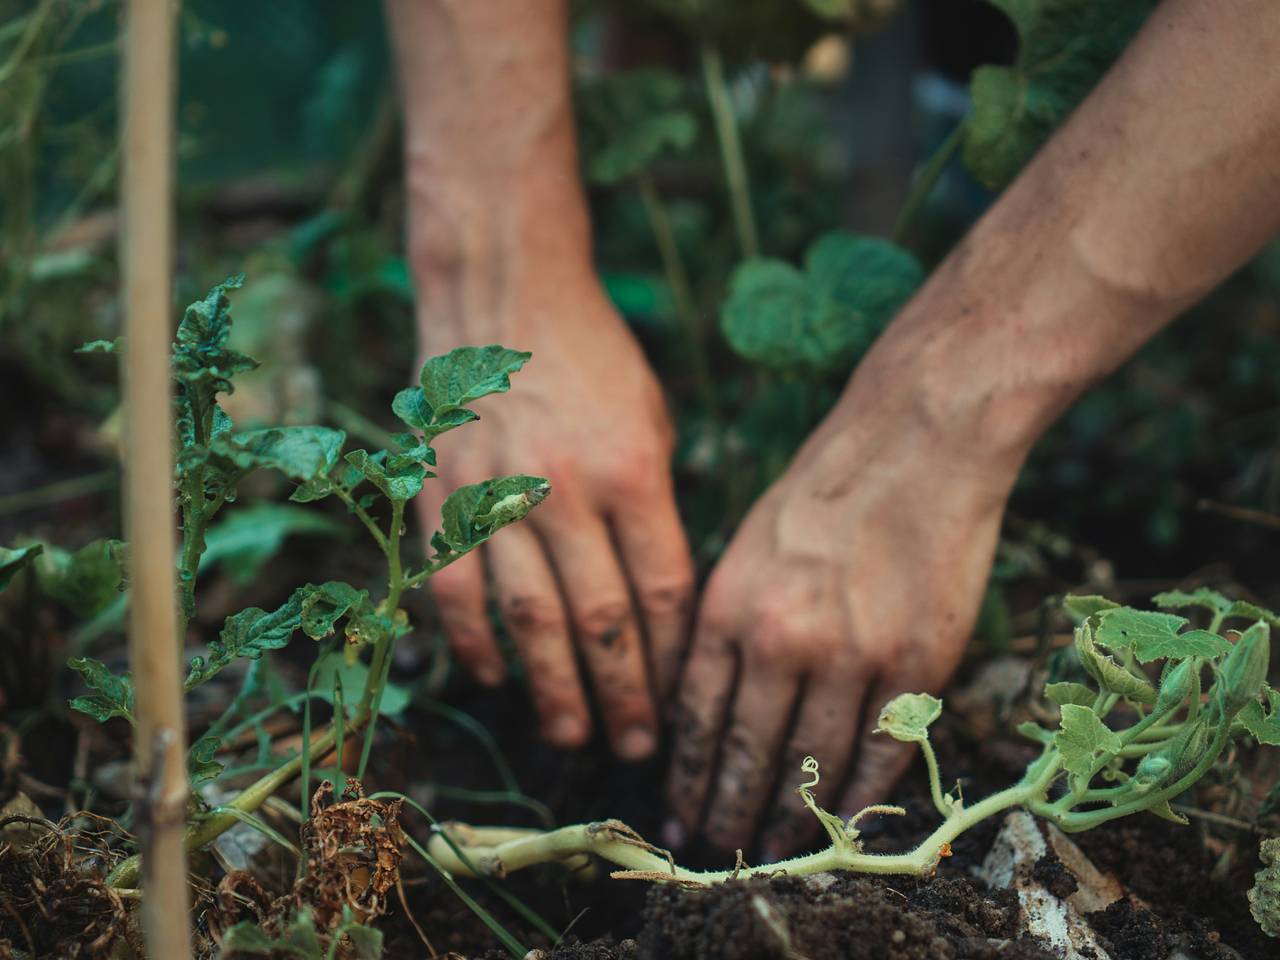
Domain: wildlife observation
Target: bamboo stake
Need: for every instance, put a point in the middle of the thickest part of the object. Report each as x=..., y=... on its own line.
x=154, y=649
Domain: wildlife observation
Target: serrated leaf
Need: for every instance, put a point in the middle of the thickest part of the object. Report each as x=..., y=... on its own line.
x=298, y=939
x=87, y=581
x=249, y=633
x=627, y=120
x=1263, y=721
x=324, y=604
x=1081, y=608
x=1128, y=629
x=1202, y=597
x=11, y=561
x=1152, y=636
x=1064, y=47
x=201, y=766
x=907, y=717
x=111, y=694
x=1108, y=674
x=1067, y=692
x=302, y=453
x=1251, y=611
x=472, y=514
x=822, y=319
x=398, y=480
x=1082, y=738
x=467, y=374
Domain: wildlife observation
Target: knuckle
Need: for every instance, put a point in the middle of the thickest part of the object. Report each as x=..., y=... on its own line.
x=603, y=622
x=532, y=613
x=666, y=601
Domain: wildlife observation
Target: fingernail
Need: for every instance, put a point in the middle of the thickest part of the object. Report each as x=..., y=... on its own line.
x=636, y=743
x=673, y=834
x=565, y=731
x=490, y=675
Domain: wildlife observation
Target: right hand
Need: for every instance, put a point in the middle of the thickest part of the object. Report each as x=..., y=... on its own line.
x=599, y=573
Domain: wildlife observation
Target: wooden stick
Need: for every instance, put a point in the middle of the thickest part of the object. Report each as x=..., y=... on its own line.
x=160, y=739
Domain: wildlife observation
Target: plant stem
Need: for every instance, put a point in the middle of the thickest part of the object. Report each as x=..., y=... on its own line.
x=678, y=280
x=363, y=514
x=926, y=181
x=53, y=493
x=499, y=851
x=206, y=831
x=940, y=800
x=380, y=665
x=735, y=166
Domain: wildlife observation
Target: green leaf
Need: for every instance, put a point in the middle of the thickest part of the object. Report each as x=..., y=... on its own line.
x=102, y=346
x=1152, y=636
x=1264, y=895
x=1033, y=731
x=466, y=374
x=302, y=453
x=472, y=514
x=11, y=561
x=1065, y=693
x=1202, y=597
x=1081, y=608
x=85, y=582
x=1251, y=611
x=1108, y=674
x=395, y=697
x=397, y=481
x=1082, y=738
x=411, y=406
x=820, y=320
x=249, y=633
x=200, y=763
x=111, y=694
x=907, y=717
x=628, y=120
x=1263, y=722
x=252, y=535
x=1064, y=47
x=323, y=605
x=299, y=939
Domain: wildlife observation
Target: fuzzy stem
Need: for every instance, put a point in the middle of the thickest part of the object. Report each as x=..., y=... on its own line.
x=941, y=801
x=500, y=851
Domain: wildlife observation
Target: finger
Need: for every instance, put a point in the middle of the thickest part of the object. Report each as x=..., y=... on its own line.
x=659, y=567
x=701, y=706
x=534, y=614
x=606, y=630
x=881, y=760
x=748, y=754
x=459, y=594
x=825, y=730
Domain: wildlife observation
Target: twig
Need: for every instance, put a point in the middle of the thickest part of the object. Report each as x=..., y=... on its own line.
x=1244, y=514
x=926, y=181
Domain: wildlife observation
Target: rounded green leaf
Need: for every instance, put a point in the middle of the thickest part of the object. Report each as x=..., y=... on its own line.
x=820, y=320
x=907, y=717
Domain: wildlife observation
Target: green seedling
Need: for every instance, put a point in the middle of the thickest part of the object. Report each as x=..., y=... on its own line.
x=1125, y=744
x=212, y=459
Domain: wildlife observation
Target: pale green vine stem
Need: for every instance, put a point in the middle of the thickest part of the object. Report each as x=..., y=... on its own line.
x=497, y=852
x=735, y=165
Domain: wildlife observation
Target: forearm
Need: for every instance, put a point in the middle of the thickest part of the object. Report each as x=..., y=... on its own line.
x=490, y=163
x=1161, y=184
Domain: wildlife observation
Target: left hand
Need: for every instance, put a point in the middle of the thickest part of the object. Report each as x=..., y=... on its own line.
x=856, y=577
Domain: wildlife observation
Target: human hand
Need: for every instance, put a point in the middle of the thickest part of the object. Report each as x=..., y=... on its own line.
x=856, y=577
x=603, y=565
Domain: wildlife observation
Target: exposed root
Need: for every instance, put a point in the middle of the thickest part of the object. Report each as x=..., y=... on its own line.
x=53, y=887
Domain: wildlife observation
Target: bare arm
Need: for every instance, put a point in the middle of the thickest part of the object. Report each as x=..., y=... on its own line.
x=500, y=251
x=859, y=574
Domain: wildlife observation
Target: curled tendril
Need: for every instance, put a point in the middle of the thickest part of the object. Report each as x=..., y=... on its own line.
x=840, y=836
x=810, y=766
